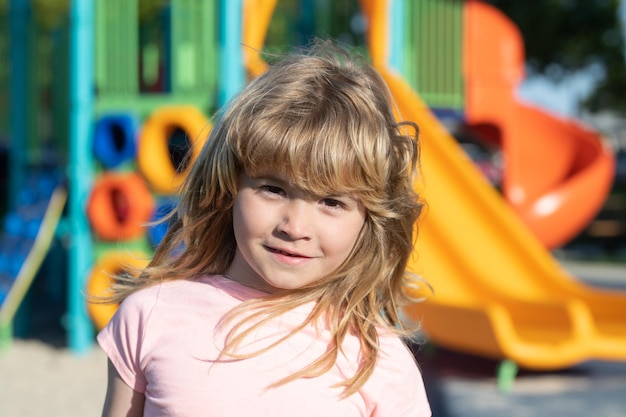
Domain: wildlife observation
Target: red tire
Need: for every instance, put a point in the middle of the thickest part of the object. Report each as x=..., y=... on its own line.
x=119, y=206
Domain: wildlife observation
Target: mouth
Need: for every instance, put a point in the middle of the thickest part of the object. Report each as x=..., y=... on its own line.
x=285, y=253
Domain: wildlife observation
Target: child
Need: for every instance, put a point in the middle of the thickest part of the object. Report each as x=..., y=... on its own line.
x=276, y=290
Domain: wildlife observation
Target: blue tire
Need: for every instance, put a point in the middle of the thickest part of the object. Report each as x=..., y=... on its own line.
x=114, y=139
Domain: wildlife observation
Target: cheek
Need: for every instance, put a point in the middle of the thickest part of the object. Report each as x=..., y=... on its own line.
x=249, y=218
x=345, y=238
x=240, y=219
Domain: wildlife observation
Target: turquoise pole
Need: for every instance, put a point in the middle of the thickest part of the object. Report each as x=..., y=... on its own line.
x=231, y=70
x=396, y=15
x=19, y=15
x=81, y=98
x=307, y=19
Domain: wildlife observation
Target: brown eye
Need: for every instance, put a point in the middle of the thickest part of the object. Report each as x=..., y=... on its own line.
x=272, y=189
x=333, y=203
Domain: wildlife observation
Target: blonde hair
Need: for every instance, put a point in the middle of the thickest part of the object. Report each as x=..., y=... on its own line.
x=323, y=118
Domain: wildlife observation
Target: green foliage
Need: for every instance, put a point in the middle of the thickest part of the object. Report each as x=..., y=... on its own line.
x=294, y=24
x=564, y=36
x=50, y=14
x=570, y=34
x=149, y=9
x=610, y=93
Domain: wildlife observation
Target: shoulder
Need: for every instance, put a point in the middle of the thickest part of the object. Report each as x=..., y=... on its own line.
x=165, y=299
x=395, y=360
x=396, y=386
x=179, y=305
x=392, y=345
x=158, y=320
x=177, y=292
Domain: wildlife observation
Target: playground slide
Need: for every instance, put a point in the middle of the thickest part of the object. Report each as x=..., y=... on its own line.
x=558, y=173
x=498, y=293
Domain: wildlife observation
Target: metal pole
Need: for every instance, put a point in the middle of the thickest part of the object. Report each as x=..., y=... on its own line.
x=81, y=97
x=231, y=71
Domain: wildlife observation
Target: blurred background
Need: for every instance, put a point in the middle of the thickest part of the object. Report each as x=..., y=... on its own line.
x=522, y=110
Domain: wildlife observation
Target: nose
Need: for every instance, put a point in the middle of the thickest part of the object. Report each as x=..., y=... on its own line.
x=296, y=220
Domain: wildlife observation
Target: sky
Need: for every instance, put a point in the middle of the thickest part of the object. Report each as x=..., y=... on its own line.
x=561, y=98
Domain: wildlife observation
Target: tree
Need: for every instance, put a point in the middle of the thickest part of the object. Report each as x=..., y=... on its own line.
x=565, y=36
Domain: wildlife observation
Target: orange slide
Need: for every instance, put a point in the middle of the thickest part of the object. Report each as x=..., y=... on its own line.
x=498, y=292
x=558, y=173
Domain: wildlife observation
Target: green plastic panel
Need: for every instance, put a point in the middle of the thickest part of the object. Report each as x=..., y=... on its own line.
x=193, y=46
x=174, y=48
x=117, y=41
x=433, y=55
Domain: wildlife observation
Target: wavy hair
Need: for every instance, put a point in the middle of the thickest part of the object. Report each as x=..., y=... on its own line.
x=324, y=118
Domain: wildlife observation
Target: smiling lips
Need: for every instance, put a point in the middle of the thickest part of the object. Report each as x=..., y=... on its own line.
x=287, y=254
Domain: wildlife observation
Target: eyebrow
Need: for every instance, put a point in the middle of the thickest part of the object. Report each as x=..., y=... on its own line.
x=284, y=183
x=269, y=177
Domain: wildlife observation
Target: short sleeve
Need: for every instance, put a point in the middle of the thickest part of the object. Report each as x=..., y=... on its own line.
x=396, y=387
x=122, y=339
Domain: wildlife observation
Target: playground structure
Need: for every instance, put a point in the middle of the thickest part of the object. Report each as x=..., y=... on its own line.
x=115, y=69
x=498, y=292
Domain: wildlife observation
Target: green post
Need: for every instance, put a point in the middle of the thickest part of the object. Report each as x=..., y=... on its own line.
x=6, y=335
x=506, y=374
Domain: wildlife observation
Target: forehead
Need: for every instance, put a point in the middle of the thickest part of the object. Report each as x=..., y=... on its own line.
x=321, y=158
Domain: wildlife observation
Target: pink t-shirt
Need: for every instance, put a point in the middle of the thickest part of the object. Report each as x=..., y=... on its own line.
x=164, y=341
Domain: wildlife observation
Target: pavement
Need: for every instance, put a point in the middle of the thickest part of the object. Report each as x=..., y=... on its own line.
x=465, y=386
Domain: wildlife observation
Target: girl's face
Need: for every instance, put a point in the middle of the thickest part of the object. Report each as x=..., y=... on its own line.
x=288, y=238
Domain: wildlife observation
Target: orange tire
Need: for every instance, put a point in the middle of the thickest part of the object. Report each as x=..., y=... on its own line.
x=119, y=206
x=153, y=156
x=110, y=264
